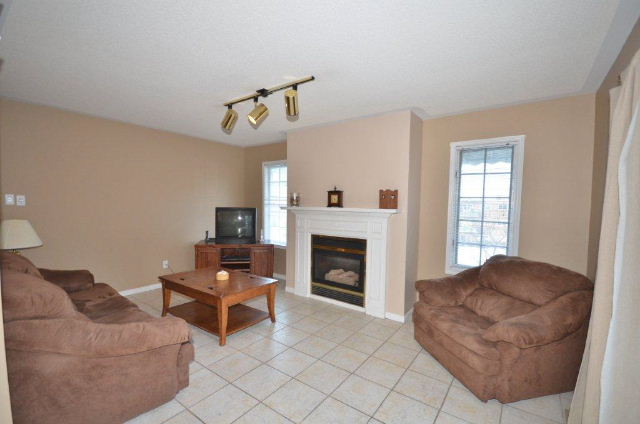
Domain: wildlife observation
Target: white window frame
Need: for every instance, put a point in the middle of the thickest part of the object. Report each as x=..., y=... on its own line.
x=517, y=141
x=265, y=214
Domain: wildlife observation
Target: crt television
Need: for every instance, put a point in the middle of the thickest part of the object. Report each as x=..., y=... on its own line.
x=235, y=225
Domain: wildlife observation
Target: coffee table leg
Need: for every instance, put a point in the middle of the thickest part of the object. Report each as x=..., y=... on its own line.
x=166, y=301
x=223, y=314
x=271, y=302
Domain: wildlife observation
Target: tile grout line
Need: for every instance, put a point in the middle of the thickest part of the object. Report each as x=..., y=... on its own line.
x=308, y=335
x=340, y=385
x=444, y=399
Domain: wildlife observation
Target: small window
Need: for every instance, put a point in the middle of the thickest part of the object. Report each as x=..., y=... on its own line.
x=484, y=200
x=274, y=181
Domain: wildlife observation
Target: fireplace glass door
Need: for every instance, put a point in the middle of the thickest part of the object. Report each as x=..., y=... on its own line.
x=338, y=268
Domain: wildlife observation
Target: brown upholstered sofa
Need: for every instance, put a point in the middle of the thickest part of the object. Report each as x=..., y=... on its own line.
x=511, y=329
x=78, y=352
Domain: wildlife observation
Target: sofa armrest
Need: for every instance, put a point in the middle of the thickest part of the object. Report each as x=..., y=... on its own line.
x=80, y=337
x=550, y=322
x=70, y=281
x=448, y=291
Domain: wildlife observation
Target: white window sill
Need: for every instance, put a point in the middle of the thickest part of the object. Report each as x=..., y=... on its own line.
x=455, y=269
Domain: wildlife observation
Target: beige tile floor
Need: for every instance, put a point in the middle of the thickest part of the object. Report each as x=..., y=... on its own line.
x=325, y=364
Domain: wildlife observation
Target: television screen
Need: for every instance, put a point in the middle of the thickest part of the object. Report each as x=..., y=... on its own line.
x=235, y=225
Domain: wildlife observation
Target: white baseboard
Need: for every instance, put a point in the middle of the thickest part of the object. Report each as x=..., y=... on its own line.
x=280, y=276
x=394, y=317
x=289, y=289
x=408, y=315
x=140, y=289
x=400, y=318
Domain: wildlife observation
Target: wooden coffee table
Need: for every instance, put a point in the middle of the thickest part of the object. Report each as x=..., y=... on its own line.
x=217, y=308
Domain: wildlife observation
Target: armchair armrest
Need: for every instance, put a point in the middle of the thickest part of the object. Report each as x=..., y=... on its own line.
x=550, y=322
x=70, y=281
x=86, y=338
x=448, y=291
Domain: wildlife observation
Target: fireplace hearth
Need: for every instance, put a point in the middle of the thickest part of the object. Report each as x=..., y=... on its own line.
x=338, y=267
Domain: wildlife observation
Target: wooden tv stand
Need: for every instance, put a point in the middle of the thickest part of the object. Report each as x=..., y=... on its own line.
x=256, y=259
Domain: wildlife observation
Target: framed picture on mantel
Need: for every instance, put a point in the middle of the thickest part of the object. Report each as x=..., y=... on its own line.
x=334, y=198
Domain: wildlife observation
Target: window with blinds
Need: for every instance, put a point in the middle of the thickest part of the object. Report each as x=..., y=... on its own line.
x=484, y=201
x=274, y=180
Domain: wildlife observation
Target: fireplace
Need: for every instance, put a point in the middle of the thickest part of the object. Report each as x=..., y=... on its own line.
x=338, y=268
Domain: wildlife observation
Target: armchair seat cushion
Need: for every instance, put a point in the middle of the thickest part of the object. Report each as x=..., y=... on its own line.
x=460, y=331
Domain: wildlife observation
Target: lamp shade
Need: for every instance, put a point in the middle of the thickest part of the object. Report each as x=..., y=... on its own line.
x=18, y=234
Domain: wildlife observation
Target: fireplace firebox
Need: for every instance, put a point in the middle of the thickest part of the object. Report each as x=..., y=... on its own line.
x=338, y=268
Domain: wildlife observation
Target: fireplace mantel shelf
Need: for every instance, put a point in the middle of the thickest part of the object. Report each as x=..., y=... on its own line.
x=303, y=209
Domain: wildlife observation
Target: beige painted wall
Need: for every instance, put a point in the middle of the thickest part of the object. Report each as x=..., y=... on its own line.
x=556, y=195
x=601, y=146
x=413, y=210
x=360, y=157
x=254, y=156
x=112, y=197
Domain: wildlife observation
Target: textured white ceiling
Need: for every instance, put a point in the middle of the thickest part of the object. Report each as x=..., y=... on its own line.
x=171, y=64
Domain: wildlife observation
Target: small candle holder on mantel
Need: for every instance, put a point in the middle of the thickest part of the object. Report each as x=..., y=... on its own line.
x=294, y=199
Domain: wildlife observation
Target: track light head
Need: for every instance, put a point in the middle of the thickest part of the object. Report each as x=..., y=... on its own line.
x=229, y=120
x=258, y=114
x=291, y=102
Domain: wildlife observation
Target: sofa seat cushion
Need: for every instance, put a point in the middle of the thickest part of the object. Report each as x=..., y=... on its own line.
x=460, y=331
x=86, y=299
x=496, y=306
x=530, y=281
x=25, y=296
x=124, y=316
x=103, y=304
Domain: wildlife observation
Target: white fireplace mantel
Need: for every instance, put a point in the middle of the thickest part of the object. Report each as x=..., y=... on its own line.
x=368, y=224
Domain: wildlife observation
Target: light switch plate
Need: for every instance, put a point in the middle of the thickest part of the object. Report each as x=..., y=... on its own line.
x=21, y=199
x=9, y=199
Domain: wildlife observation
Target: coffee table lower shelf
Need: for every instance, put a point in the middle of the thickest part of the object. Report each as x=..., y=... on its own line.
x=206, y=316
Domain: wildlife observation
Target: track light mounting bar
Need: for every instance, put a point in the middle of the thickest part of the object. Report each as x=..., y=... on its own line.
x=264, y=92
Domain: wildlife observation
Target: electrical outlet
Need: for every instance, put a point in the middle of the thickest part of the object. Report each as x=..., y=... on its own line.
x=21, y=200
x=9, y=199
x=165, y=263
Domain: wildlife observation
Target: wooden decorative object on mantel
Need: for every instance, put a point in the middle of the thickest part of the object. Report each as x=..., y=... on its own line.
x=388, y=199
x=334, y=198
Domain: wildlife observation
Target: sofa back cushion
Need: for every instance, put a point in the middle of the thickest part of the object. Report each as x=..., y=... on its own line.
x=530, y=281
x=495, y=306
x=25, y=296
x=12, y=261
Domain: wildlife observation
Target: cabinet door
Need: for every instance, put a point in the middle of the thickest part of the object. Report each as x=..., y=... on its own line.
x=262, y=261
x=207, y=257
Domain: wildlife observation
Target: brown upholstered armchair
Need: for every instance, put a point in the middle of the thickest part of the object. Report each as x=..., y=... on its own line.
x=511, y=329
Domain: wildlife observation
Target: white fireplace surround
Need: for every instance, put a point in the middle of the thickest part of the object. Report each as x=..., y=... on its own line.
x=368, y=224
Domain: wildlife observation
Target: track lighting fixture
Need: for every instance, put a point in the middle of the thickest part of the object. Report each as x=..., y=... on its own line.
x=258, y=114
x=229, y=120
x=260, y=110
x=291, y=102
